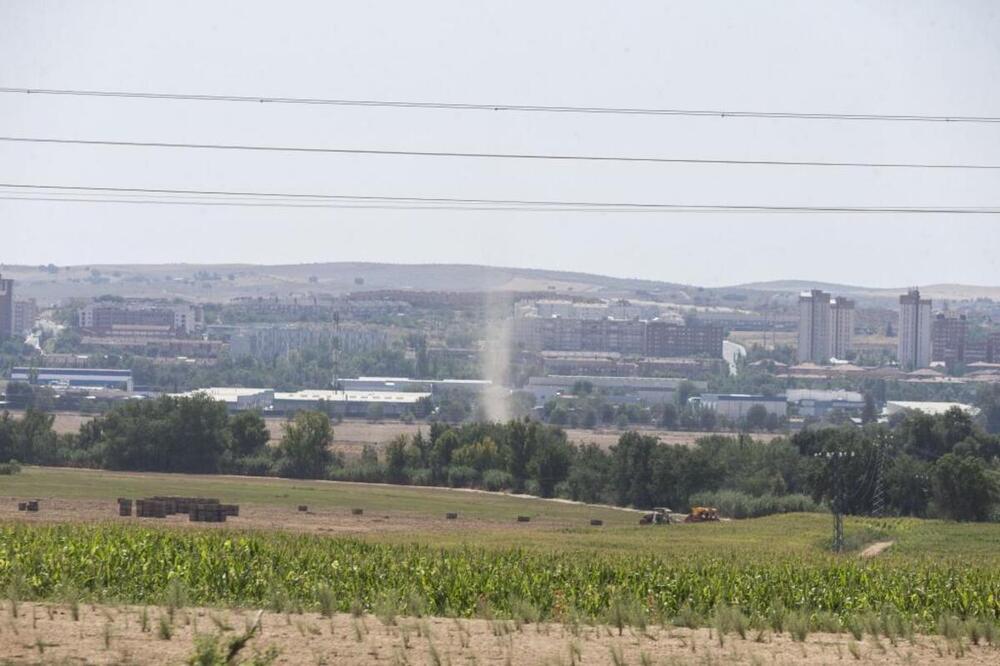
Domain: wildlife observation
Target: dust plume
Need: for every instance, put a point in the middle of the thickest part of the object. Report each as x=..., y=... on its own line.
x=496, y=353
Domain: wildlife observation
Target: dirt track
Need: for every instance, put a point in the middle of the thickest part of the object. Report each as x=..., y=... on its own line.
x=876, y=549
x=47, y=633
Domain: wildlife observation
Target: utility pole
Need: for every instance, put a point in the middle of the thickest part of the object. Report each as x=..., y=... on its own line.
x=336, y=351
x=878, y=499
x=838, y=499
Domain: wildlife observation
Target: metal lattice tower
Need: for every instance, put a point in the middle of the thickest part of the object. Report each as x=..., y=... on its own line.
x=878, y=498
x=835, y=463
x=336, y=352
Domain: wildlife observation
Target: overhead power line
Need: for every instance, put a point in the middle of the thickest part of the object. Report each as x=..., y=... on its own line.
x=302, y=200
x=484, y=155
x=527, y=108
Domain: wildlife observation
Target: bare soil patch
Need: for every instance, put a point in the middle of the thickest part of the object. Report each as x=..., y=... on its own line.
x=876, y=549
x=47, y=633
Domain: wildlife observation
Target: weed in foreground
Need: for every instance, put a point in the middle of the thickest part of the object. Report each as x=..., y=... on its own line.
x=327, y=601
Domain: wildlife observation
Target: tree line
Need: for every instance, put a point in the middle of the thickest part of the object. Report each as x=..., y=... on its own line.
x=918, y=465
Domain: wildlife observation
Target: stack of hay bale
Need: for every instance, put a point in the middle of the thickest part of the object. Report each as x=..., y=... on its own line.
x=210, y=512
x=150, y=508
x=198, y=509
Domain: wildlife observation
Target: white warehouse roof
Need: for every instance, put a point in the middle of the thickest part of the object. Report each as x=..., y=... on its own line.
x=353, y=396
x=225, y=394
x=932, y=408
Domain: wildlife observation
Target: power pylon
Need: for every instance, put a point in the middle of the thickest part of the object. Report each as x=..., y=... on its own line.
x=878, y=499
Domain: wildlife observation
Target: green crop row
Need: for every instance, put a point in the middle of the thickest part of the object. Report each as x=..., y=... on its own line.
x=224, y=568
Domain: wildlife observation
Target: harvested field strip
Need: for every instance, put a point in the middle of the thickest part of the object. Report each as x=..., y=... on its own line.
x=137, y=565
x=67, y=483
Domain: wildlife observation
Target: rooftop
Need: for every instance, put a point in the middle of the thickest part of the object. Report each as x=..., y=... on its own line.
x=929, y=407
x=315, y=395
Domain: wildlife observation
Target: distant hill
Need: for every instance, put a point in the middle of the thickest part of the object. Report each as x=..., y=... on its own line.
x=933, y=291
x=222, y=282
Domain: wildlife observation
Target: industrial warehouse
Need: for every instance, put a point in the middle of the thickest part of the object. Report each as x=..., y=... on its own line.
x=391, y=404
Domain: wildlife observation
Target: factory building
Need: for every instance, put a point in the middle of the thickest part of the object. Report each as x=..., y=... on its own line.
x=88, y=378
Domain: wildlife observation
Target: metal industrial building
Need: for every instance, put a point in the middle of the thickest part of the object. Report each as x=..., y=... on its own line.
x=91, y=378
x=735, y=406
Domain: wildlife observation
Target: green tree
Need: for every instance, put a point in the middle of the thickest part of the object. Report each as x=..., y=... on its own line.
x=963, y=489
x=685, y=390
x=756, y=417
x=421, y=448
x=988, y=400
x=481, y=455
x=441, y=452
x=668, y=416
x=559, y=416
x=907, y=486
x=395, y=460
x=869, y=414
x=248, y=434
x=304, y=451
x=632, y=469
x=549, y=464
x=521, y=439
x=165, y=435
x=588, y=474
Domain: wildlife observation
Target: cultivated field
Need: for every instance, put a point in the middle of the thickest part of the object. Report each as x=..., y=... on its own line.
x=382, y=587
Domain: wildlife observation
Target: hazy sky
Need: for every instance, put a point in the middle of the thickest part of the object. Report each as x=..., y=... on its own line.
x=881, y=57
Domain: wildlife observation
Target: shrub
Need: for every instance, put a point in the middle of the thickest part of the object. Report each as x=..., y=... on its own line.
x=460, y=476
x=360, y=471
x=734, y=504
x=496, y=479
x=421, y=477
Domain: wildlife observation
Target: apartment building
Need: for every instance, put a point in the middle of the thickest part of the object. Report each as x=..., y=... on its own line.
x=815, y=342
x=139, y=318
x=270, y=342
x=6, y=308
x=841, y=327
x=25, y=316
x=826, y=327
x=666, y=339
x=948, y=338
x=603, y=310
x=914, y=348
x=627, y=337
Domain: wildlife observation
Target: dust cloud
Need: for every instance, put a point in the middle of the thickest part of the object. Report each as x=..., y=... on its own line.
x=498, y=322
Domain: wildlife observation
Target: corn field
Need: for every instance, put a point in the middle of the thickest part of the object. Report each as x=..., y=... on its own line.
x=139, y=565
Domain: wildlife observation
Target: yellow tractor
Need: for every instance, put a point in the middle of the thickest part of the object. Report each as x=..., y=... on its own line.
x=702, y=514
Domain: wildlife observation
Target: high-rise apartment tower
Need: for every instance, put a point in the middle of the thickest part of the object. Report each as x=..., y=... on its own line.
x=914, y=331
